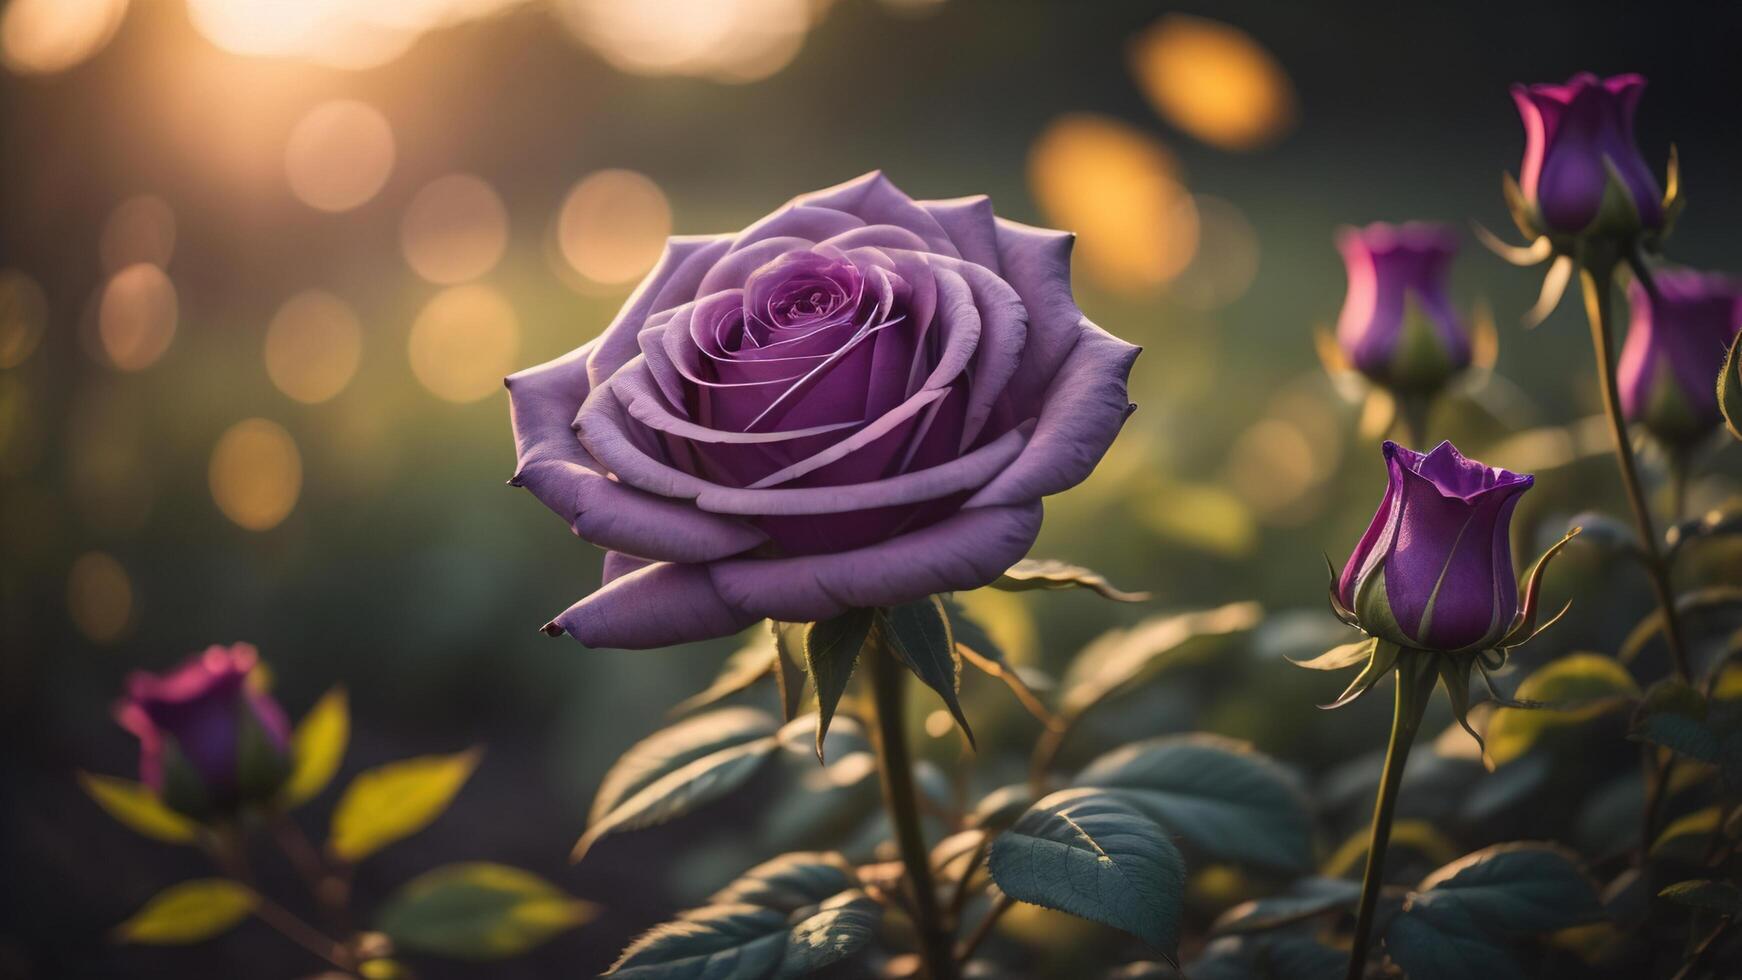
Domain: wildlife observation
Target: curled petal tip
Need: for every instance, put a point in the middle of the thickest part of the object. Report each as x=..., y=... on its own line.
x=551, y=629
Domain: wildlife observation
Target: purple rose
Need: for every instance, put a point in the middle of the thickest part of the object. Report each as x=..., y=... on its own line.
x=1434, y=570
x=208, y=740
x=1398, y=326
x=858, y=401
x=1675, y=350
x=1578, y=141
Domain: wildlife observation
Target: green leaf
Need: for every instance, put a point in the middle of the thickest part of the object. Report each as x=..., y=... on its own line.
x=1216, y=794
x=918, y=634
x=317, y=747
x=188, y=912
x=1679, y=718
x=1447, y=943
x=1730, y=388
x=1265, y=958
x=390, y=802
x=135, y=805
x=788, y=666
x=831, y=649
x=1686, y=835
x=1721, y=897
x=1085, y=852
x=679, y=769
x=782, y=919
x=1304, y=899
x=479, y=911
x=1338, y=657
x=977, y=647
x=1574, y=690
x=1121, y=658
x=1049, y=573
x=749, y=664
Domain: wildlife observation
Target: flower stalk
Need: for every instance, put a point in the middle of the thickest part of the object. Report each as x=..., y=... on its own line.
x=1415, y=683
x=1597, y=278
x=895, y=768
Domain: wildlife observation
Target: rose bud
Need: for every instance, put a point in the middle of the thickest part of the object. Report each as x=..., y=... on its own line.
x=1397, y=326
x=209, y=741
x=1582, y=172
x=856, y=402
x=1675, y=349
x=1434, y=570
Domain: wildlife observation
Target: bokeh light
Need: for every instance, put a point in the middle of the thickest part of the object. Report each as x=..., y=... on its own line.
x=339, y=155
x=313, y=345
x=455, y=229
x=23, y=317
x=334, y=33
x=1214, y=81
x=464, y=343
x=724, y=40
x=613, y=226
x=99, y=597
x=1225, y=262
x=136, y=316
x=255, y=474
x=39, y=37
x=1119, y=189
x=140, y=230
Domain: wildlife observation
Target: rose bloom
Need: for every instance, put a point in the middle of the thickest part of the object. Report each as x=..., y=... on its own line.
x=1675, y=351
x=858, y=401
x=208, y=740
x=1398, y=326
x=1575, y=134
x=1434, y=570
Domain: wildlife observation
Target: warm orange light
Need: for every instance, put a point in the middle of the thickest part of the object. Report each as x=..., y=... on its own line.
x=1214, y=81
x=141, y=229
x=1118, y=189
x=455, y=229
x=255, y=474
x=1271, y=467
x=726, y=40
x=23, y=317
x=339, y=155
x=312, y=346
x=40, y=37
x=613, y=226
x=1226, y=260
x=136, y=316
x=99, y=597
x=463, y=343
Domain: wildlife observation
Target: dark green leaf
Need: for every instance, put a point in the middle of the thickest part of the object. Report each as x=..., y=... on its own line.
x=1121, y=658
x=1049, y=573
x=135, y=806
x=1304, y=899
x=1573, y=689
x=789, y=665
x=189, y=912
x=677, y=770
x=1216, y=794
x=1721, y=897
x=1085, y=852
x=1730, y=388
x=317, y=748
x=918, y=635
x=390, y=802
x=1445, y=942
x=831, y=648
x=747, y=665
x=479, y=911
x=1268, y=958
x=1513, y=889
x=790, y=882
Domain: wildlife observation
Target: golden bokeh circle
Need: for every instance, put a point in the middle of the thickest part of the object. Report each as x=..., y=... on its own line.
x=41, y=37
x=454, y=230
x=313, y=345
x=255, y=474
x=613, y=226
x=339, y=155
x=1214, y=81
x=463, y=343
x=99, y=597
x=136, y=316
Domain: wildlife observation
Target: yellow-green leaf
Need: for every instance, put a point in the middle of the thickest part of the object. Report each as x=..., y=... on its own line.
x=389, y=802
x=188, y=912
x=317, y=748
x=479, y=910
x=1688, y=833
x=1574, y=690
x=135, y=805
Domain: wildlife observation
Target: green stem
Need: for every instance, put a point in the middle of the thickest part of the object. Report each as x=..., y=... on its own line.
x=895, y=766
x=1597, y=280
x=1412, y=416
x=1415, y=682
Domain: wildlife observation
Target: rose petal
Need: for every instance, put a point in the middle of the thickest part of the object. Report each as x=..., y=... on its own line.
x=679, y=268
x=873, y=198
x=655, y=606
x=971, y=225
x=810, y=222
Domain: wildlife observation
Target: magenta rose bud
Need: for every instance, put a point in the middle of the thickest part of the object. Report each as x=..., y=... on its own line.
x=1582, y=172
x=1397, y=326
x=1675, y=350
x=1434, y=570
x=209, y=741
x=858, y=401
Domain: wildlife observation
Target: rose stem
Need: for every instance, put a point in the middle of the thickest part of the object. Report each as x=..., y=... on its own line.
x=895, y=766
x=1597, y=280
x=1415, y=682
x=1000, y=905
x=1412, y=415
x=231, y=857
x=327, y=887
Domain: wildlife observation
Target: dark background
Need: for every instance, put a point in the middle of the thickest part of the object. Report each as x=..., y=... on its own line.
x=408, y=573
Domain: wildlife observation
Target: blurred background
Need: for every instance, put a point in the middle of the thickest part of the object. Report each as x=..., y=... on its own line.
x=264, y=263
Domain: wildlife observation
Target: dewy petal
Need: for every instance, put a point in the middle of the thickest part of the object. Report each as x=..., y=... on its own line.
x=655, y=606
x=962, y=552
x=1079, y=416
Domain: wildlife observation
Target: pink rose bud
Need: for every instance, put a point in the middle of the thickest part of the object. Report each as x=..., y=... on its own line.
x=1398, y=327
x=1675, y=350
x=1582, y=172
